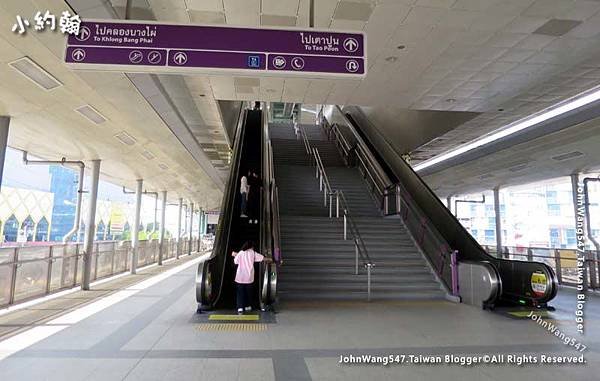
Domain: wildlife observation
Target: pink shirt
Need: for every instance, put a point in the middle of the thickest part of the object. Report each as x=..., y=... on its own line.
x=245, y=261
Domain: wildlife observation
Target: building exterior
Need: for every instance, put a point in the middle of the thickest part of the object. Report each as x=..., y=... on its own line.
x=25, y=214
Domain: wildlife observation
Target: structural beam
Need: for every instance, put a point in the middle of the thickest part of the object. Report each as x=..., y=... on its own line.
x=90, y=227
x=135, y=240
x=498, y=217
x=161, y=237
x=4, y=124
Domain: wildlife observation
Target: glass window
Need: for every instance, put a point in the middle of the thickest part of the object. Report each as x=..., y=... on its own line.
x=11, y=229
x=571, y=237
x=551, y=196
x=474, y=232
x=490, y=236
x=553, y=209
x=554, y=238
x=41, y=232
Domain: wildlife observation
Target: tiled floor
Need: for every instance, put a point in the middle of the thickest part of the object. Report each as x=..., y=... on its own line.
x=154, y=335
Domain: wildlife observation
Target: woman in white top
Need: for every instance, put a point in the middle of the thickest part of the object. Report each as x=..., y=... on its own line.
x=244, y=276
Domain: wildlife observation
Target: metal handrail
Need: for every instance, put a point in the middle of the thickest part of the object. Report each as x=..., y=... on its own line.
x=325, y=187
x=304, y=138
x=381, y=185
x=57, y=266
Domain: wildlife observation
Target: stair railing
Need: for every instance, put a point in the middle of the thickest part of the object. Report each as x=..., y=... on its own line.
x=360, y=249
x=305, y=139
x=394, y=199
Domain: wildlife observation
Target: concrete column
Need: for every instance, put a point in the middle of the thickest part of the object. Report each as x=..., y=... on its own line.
x=191, y=238
x=200, y=218
x=178, y=251
x=90, y=227
x=161, y=235
x=498, y=219
x=4, y=123
x=136, y=225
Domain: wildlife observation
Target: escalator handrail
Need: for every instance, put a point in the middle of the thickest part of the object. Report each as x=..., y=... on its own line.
x=227, y=206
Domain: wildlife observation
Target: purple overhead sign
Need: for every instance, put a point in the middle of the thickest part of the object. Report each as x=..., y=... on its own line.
x=137, y=46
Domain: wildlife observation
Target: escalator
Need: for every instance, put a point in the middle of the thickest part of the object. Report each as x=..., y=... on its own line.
x=482, y=278
x=215, y=287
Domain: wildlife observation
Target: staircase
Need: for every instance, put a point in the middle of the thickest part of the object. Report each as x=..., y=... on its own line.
x=317, y=262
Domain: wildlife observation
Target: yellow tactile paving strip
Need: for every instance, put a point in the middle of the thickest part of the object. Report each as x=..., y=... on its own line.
x=232, y=327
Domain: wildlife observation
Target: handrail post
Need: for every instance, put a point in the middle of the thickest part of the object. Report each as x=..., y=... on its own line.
x=337, y=204
x=369, y=266
x=356, y=257
x=345, y=229
x=13, y=279
x=330, y=205
x=385, y=202
x=558, y=265
x=49, y=274
x=529, y=254
x=454, y=268
x=398, y=199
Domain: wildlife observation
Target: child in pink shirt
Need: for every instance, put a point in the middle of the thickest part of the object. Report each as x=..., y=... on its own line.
x=244, y=277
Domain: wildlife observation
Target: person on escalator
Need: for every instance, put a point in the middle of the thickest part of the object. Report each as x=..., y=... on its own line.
x=244, y=276
x=254, y=197
x=244, y=188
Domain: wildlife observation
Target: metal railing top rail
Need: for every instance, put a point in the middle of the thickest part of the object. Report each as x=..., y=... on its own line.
x=364, y=253
x=305, y=138
x=321, y=169
x=329, y=192
x=27, y=273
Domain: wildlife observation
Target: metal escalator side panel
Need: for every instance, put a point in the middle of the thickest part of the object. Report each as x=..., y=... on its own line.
x=514, y=274
x=479, y=283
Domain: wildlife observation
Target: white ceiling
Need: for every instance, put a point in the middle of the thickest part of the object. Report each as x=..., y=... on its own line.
x=45, y=123
x=482, y=55
x=572, y=150
x=460, y=55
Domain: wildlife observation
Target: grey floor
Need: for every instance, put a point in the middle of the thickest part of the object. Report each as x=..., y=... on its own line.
x=155, y=335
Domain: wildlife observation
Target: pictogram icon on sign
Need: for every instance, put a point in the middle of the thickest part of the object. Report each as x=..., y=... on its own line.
x=78, y=55
x=84, y=34
x=154, y=57
x=180, y=58
x=279, y=62
x=297, y=63
x=352, y=66
x=350, y=44
x=136, y=56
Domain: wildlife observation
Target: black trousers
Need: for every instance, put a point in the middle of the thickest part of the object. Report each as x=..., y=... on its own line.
x=244, y=295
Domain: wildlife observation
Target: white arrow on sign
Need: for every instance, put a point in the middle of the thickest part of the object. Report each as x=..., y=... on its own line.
x=350, y=44
x=180, y=58
x=78, y=55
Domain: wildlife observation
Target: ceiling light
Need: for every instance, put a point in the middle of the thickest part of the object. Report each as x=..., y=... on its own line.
x=571, y=104
x=163, y=166
x=400, y=47
x=307, y=110
x=35, y=73
x=91, y=114
x=148, y=155
x=567, y=156
x=391, y=59
x=125, y=138
x=202, y=95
